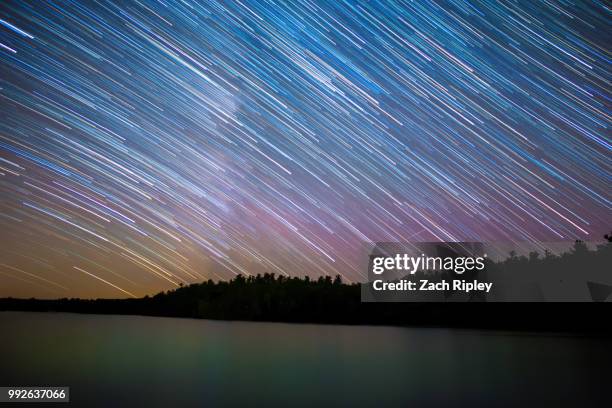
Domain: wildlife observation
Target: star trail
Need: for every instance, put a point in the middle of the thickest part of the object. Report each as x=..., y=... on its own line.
x=148, y=144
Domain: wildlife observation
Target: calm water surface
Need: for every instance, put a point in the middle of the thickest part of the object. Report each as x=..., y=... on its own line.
x=148, y=361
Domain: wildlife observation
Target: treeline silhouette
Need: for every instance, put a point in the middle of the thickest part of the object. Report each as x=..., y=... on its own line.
x=269, y=297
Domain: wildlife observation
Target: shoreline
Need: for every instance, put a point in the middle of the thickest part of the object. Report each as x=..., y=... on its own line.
x=602, y=330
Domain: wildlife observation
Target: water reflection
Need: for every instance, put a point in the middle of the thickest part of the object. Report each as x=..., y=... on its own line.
x=129, y=360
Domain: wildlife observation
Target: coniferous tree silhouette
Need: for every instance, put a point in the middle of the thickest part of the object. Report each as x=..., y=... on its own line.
x=328, y=300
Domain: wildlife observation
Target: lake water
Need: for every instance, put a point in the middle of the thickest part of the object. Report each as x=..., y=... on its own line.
x=149, y=361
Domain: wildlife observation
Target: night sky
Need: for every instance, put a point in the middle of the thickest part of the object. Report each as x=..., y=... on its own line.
x=145, y=144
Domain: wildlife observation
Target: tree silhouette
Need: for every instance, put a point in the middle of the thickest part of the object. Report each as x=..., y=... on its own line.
x=326, y=300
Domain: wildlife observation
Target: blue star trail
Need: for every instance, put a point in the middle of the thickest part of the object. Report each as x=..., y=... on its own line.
x=148, y=144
